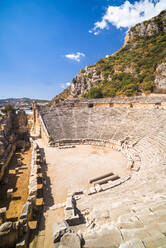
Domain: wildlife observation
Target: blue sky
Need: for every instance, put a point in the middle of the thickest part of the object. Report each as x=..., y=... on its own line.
x=45, y=43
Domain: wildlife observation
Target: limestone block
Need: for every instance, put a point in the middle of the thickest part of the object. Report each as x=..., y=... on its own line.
x=92, y=191
x=132, y=244
x=71, y=218
x=78, y=192
x=59, y=229
x=3, y=214
x=154, y=242
x=105, y=186
x=5, y=227
x=9, y=193
x=70, y=240
x=138, y=233
x=130, y=164
x=33, y=191
x=8, y=235
x=21, y=244
x=25, y=210
x=136, y=167
x=125, y=178
x=98, y=188
x=31, y=198
x=115, y=183
x=69, y=203
x=108, y=236
x=19, y=162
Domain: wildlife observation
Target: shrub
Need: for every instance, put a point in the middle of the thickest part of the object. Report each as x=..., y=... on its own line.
x=90, y=75
x=109, y=92
x=95, y=93
x=8, y=108
x=82, y=70
x=74, y=80
x=148, y=86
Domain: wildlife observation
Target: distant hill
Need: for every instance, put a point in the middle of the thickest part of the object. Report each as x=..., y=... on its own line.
x=138, y=67
x=21, y=101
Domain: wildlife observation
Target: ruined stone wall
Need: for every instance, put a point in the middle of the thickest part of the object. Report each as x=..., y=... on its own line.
x=39, y=128
x=43, y=131
x=13, y=133
x=151, y=101
x=18, y=232
x=36, y=129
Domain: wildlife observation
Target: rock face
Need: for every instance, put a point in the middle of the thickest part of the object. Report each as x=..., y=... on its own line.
x=147, y=28
x=84, y=80
x=160, y=80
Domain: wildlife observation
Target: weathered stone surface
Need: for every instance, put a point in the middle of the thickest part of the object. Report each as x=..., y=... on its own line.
x=3, y=214
x=69, y=203
x=109, y=236
x=133, y=244
x=9, y=193
x=160, y=79
x=72, y=218
x=21, y=244
x=139, y=233
x=6, y=227
x=59, y=229
x=25, y=210
x=8, y=235
x=70, y=240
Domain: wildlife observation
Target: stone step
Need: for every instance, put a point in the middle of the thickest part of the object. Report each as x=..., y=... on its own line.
x=108, y=179
x=133, y=244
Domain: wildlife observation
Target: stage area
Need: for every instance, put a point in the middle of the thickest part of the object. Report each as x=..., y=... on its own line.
x=71, y=169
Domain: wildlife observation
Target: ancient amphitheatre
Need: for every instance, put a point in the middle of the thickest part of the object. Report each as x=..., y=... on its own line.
x=105, y=179
x=127, y=208
x=87, y=173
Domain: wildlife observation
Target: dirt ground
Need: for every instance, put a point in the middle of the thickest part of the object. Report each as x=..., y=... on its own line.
x=71, y=169
x=18, y=182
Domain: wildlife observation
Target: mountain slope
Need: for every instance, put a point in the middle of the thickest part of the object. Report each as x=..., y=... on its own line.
x=139, y=66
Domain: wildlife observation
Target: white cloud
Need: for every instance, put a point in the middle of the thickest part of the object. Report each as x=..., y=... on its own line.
x=64, y=85
x=127, y=14
x=75, y=56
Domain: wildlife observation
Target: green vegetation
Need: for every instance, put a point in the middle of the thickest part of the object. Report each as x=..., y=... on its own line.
x=8, y=108
x=94, y=92
x=131, y=70
x=82, y=70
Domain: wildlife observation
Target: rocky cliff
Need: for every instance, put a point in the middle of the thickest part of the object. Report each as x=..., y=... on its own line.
x=139, y=66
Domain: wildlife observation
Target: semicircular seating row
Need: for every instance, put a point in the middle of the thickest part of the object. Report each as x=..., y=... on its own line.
x=137, y=209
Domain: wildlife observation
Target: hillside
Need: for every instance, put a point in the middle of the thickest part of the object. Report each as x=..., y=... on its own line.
x=138, y=67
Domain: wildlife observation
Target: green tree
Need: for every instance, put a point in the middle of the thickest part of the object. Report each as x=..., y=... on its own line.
x=8, y=108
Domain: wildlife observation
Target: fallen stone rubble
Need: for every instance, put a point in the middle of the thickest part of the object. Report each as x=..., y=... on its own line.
x=12, y=233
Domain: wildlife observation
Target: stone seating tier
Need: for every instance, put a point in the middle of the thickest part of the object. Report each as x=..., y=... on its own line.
x=104, y=123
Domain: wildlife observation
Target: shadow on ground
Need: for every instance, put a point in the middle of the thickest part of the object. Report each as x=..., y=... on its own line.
x=48, y=199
